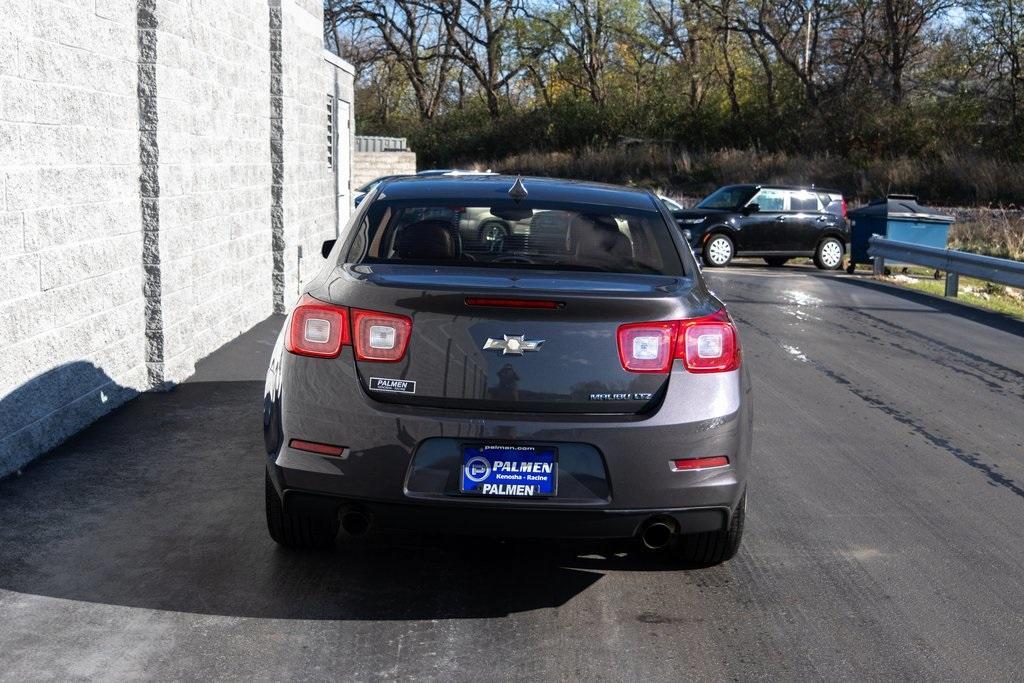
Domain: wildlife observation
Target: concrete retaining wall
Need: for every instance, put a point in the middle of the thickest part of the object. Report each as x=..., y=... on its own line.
x=370, y=165
x=138, y=190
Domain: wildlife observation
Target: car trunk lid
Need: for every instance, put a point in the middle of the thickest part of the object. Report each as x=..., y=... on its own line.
x=479, y=343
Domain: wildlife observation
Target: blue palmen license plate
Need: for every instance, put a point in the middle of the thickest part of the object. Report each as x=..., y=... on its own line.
x=521, y=471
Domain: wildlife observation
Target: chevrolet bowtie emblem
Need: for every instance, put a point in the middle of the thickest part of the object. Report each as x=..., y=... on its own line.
x=512, y=345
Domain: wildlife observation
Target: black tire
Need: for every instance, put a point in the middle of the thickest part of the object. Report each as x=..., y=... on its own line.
x=775, y=261
x=713, y=547
x=718, y=251
x=298, y=531
x=851, y=268
x=829, y=254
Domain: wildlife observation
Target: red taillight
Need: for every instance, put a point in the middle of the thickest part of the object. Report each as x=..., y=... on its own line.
x=647, y=347
x=707, y=344
x=512, y=303
x=380, y=336
x=844, y=207
x=314, y=447
x=317, y=329
x=699, y=463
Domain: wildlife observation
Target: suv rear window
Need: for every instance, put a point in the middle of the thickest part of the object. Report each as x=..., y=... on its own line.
x=540, y=235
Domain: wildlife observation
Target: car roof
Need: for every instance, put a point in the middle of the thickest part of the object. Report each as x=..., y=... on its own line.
x=772, y=186
x=489, y=188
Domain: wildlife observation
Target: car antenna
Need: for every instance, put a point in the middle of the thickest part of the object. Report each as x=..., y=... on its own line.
x=518, y=190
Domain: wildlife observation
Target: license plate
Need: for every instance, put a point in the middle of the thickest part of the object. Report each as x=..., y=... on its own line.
x=518, y=471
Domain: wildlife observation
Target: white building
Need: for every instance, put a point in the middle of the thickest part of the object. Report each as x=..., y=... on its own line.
x=166, y=166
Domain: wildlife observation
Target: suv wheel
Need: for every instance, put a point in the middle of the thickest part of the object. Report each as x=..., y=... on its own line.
x=718, y=251
x=493, y=232
x=713, y=547
x=297, y=531
x=829, y=255
x=775, y=261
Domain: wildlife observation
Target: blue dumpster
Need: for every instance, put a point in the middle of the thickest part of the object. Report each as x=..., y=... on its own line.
x=897, y=217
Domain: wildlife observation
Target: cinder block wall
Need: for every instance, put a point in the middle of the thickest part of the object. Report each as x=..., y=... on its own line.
x=309, y=195
x=370, y=165
x=212, y=82
x=71, y=284
x=137, y=194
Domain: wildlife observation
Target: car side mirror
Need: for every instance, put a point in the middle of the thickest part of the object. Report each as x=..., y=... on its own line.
x=751, y=208
x=325, y=248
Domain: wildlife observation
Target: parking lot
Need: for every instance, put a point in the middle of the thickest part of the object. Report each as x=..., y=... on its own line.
x=887, y=499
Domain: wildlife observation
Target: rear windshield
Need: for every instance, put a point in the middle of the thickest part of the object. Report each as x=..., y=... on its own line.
x=539, y=235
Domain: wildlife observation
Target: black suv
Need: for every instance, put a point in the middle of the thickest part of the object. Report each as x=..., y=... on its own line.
x=775, y=222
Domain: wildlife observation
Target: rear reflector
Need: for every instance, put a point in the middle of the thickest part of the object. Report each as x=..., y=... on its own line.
x=317, y=329
x=707, y=344
x=380, y=336
x=313, y=447
x=699, y=463
x=512, y=303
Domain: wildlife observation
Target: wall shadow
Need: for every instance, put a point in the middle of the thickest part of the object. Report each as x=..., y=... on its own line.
x=50, y=407
x=160, y=505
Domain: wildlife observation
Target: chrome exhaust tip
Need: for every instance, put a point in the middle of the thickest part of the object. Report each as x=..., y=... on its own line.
x=657, y=535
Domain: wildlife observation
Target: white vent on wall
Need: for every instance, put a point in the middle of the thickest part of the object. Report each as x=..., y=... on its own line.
x=330, y=131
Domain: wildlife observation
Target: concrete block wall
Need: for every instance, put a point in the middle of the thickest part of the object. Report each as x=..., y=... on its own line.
x=137, y=196
x=213, y=106
x=309, y=197
x=71, y=286
x=369, y=165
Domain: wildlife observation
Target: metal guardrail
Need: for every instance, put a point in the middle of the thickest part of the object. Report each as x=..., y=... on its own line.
x=954, y=263
x=375, y=143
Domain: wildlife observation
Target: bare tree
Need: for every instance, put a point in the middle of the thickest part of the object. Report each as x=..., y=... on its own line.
x=414, y=35
x=793, y=29
x=479, y=33
x=998, y=32
x=684, y=32
x=583, y=32
x=902, y=23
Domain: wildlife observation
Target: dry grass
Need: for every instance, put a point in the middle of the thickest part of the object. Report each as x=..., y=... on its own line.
x=948, y=180
x=995, y=232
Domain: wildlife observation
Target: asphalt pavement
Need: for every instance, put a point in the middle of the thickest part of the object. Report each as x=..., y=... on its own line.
x=884, y=534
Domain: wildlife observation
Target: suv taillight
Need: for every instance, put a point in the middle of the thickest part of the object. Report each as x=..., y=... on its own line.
x=380, y=336
x=707, y=344
x=317, y=329
x=844, y=207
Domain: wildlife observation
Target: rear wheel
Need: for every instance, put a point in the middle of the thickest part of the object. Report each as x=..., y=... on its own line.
x=718, y=251
x=829, y=255
x=713, y=547
x=775, y=261
x=297, y=531
x=493, y=232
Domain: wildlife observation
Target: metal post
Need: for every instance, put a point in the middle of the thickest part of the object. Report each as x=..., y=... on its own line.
x=952, y=283
x=879, y=265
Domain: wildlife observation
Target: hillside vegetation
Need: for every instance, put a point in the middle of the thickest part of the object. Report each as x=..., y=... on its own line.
x=923, y=96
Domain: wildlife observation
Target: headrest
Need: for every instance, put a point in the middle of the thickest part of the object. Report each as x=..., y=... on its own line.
x=597, y=239
x=430, y=239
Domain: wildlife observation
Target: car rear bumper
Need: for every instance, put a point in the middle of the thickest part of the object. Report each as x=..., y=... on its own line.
x=400, y=462
x=509, y=521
